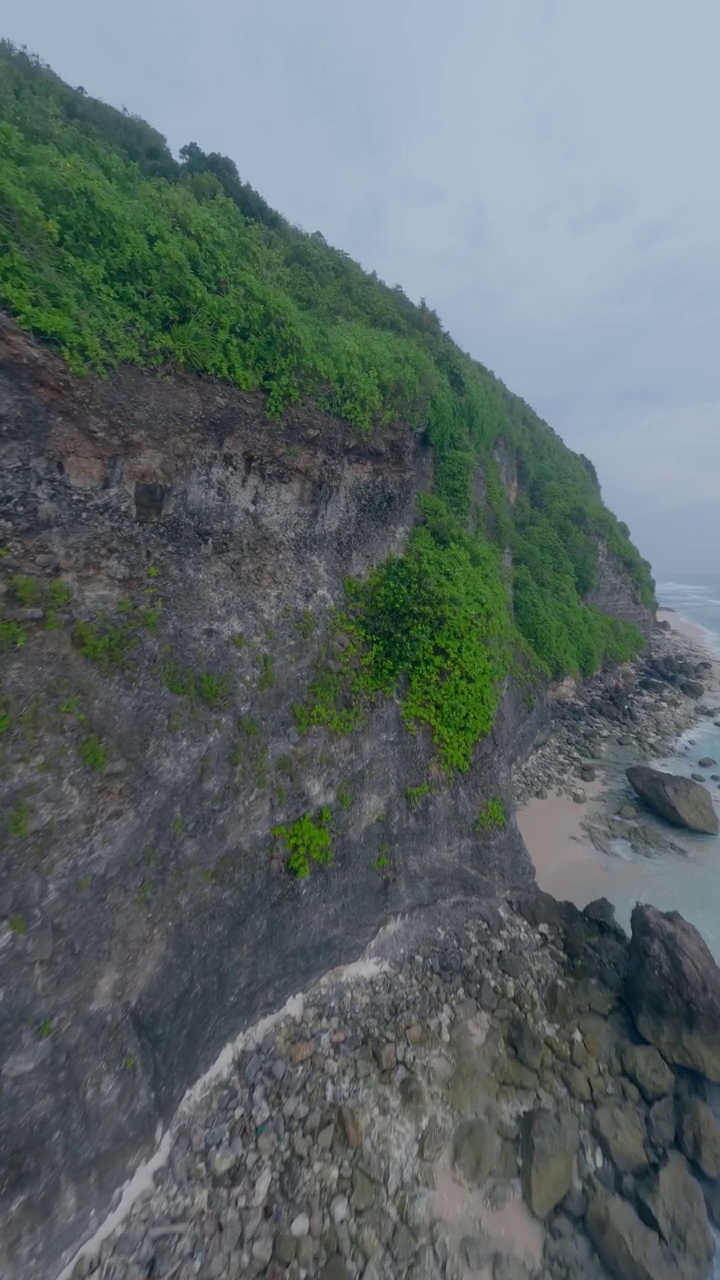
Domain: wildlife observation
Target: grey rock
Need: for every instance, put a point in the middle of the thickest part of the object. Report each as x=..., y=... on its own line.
x=621, y=1134
x=662, y=1123
x=335, y=1269
x=548, y=1145
x=672, y=1203
x=626, y=1246
x=673, y=990
x=677, y=799
x=651, y=1073
x=699, y=1136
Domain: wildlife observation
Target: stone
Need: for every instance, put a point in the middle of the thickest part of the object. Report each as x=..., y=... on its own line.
x=577, y=1083
x=338, y=1210
x=673, y=990
x=350, y=1126
x=475, y=1145
x=300, y=1226
x=579, y=796
x=222, y=1161
x=587, y=773
x=476, y=1251
x=363, y=1194
x=621, y=1134
x=335, y=1269
x=672, y=1202
x=527, y=1044
x=625, y=1245
x=699, y=1137
x=707, y=762
x=651, y=1073
x=432, y=1143
x=662, y=1123
x=285, y=1246
x=677, y=799
x=548, y=1146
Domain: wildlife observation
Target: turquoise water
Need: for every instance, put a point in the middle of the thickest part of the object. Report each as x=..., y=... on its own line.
x=689, y=884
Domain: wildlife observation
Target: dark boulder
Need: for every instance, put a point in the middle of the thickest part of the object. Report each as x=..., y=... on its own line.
x=679, y=800
x=673, y=990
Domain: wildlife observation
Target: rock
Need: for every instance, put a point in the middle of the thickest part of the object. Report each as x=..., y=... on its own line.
x=527, y=1044
x=300, y=1226
x=707, y=762
x=700, y=1137
x=339, y=1209
x=692, y=688
x=628, y=811
x=673, y=1204
x=587, y=773
x=651, y=1073
x=579, y=795
x=673, y=990
x=285, y=1246
x=621, y=1135
x=677, y=799
x=662, y=1123
x=432, y=1143
x=335, y=1269
x=698, y=777
x=363, y=1194
x=350, y=1126
x=548, y=1146
x=475, y=1145
x=625, y=1245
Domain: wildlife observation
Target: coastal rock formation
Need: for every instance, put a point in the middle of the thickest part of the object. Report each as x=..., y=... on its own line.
x=673, y=990
x=384, y=1127
x=677, y=799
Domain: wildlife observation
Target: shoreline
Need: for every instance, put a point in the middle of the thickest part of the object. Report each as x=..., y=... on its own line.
x=577, y=848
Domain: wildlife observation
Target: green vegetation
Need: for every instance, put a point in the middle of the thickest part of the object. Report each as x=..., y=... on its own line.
x=93, y=753
x=344, y=795
x=19, y=820
x=266, y=679
x=306, y=624
x=307, y=842
x=492, y=815
x=12, y=635
x=45, y=1029
x=114, y=251
x=25, y=590
x=414, y=795
x=18, y=924
x=184, y=682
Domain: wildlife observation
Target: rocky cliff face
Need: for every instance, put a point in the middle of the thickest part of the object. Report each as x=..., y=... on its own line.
x=146, y=913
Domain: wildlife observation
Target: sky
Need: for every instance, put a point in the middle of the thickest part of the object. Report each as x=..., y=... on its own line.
x=543, y=172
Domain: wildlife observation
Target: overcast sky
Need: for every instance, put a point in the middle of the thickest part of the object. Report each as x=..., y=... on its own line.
x=544, y=172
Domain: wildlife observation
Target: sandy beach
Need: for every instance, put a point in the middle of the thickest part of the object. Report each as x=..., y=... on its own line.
x=567, y=864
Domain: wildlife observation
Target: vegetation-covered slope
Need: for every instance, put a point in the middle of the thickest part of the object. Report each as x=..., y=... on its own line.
x=114, y=251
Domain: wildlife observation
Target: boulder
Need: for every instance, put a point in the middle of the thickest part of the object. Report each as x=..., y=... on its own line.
x=672, y=1203
x=625, y=1245
x=700, y=1137
x=692, y=688
x=662, y=1123
x=548, y=1146
x=651, y=1073
x=621, y=1134
x=672, y=988
x=707, y=762
x=677, y=799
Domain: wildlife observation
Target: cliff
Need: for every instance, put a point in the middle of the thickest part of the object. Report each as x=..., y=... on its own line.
x=147, y=910
x=284, y=577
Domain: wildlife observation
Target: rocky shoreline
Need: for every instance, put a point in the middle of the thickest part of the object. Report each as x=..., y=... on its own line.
x=489, y=1094
x=624, y=718
x=477, y=1102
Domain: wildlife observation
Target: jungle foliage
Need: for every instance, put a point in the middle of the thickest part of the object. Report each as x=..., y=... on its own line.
x=114, y=251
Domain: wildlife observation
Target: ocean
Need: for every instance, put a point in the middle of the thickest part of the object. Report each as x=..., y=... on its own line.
x=689, y=884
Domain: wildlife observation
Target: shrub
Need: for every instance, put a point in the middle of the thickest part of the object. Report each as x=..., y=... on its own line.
x=93, y=753
x=492, y=815
x=307, y=842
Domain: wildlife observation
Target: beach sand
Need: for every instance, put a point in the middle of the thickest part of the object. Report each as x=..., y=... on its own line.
x=566, y=863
